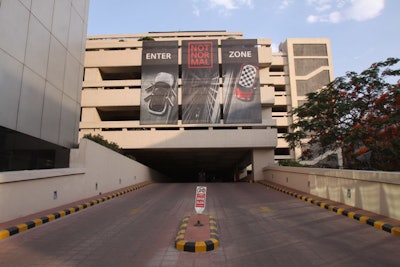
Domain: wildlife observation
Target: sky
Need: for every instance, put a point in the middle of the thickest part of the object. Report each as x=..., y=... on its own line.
x=361, y=32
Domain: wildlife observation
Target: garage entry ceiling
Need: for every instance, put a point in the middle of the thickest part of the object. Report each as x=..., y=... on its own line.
x=183, y=165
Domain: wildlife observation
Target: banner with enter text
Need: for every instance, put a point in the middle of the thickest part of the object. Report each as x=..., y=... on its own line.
x=241, y=82
x=159, y=91
x=200, y=82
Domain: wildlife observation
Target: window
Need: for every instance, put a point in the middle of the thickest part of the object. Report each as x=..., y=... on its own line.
x=120, y=73
x=282, y=152
x=279, y=109
x=119, y=113
x=276, y=69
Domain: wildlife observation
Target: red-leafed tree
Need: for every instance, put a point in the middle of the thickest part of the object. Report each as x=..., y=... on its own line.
x=358, y=113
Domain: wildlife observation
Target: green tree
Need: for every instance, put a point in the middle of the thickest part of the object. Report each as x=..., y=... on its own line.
x=111, y=145
x=146, y=38
x=100, y=140
x=359, y=113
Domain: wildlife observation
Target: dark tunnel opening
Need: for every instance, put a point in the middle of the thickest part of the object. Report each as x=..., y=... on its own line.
x=193, y=165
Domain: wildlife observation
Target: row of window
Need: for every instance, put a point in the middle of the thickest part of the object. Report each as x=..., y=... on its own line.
x=277, y=88
x=134, y=72
x=192, y=128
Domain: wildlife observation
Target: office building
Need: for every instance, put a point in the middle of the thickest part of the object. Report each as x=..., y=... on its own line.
x=42, y=49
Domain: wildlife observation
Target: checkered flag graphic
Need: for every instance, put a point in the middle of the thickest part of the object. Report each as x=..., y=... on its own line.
x=247, y=76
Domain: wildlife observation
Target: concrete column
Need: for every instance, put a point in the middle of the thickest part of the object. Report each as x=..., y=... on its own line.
x=261, y=158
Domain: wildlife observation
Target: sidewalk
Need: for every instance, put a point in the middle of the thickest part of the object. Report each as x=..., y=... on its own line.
x=382, y=222
x=93, y=200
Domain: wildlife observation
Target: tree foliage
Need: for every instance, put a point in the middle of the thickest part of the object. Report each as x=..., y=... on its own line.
x=100, y=140
x=290, y=163
x=359, y=113
x=111, y=145
x=146, y=38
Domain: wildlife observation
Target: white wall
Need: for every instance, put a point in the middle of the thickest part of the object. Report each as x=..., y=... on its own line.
x=378, y=192
x=27, y=192
x=42, y=48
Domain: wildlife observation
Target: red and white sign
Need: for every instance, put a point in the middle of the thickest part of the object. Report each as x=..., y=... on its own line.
x=200, y=55
x=200, y=202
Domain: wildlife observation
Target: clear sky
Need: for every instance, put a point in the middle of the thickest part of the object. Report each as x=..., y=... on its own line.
x=361, y=31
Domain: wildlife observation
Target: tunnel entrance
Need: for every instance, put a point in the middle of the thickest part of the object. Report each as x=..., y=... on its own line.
x=184, y=165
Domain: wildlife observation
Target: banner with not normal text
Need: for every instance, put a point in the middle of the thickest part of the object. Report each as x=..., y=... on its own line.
x=200, y=82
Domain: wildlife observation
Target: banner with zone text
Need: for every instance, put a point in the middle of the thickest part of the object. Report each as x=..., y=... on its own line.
x=241, y=82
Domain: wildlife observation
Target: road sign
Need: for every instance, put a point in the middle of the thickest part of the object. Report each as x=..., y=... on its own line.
x=200, y=202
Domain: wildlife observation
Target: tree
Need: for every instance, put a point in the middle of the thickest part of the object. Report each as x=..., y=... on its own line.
x=100, y=140
x=146, y=38
x=358, y=113
x=111, y=145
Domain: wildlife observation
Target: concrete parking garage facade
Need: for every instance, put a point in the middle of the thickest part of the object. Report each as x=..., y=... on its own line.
x=114, y=96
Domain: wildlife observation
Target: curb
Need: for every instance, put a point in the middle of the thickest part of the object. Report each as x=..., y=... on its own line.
x=13, y=230
x=359, y=217
x=199, y=246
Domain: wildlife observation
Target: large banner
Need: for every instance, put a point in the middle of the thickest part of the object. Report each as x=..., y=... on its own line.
x=241, y=85
x=159, y=92
x=200, y=82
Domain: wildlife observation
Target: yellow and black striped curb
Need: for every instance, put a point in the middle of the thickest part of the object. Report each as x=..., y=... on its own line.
x=51, y=217
x=200, y=246
x=359, y=217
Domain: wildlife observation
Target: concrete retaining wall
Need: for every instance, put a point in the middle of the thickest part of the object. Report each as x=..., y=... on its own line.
x=93, y=170
x=378, y=192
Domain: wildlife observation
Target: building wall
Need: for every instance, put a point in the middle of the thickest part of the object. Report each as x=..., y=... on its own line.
x=306, y=65
x=111, y=98
x=122, y=54
x=87, y=177
x=302, y=64
x=42, y=49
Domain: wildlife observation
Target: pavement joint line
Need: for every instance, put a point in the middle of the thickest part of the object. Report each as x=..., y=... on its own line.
x=13, y=230
x=359, y=217
x=198, y=246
